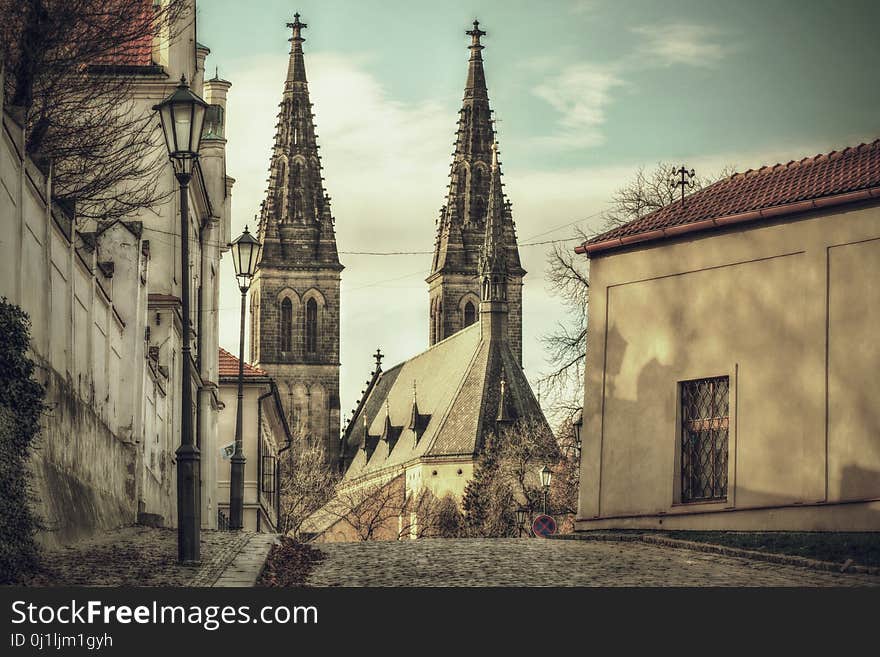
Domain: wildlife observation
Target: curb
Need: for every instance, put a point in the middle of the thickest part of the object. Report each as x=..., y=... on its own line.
x=713, y=548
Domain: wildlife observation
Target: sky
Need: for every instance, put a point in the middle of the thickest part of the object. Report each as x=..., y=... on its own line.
x=585, y=93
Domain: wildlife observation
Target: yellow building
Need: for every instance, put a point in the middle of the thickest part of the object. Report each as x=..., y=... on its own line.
x=732, y=368
x=265, y=437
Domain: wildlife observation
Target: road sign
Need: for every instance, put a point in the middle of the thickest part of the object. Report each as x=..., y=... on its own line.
x=544, y=526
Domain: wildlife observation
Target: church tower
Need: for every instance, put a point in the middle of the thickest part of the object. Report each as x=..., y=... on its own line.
x=454, y=282
x=295, y=294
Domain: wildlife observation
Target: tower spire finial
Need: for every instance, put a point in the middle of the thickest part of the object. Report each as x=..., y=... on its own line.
x=475, y=35
x=297, y=28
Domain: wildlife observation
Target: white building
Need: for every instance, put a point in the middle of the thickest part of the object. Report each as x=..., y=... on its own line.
x=104, y=301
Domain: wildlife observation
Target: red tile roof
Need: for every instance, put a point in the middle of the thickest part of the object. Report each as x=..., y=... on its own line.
x=229, y=366
x=834, y=178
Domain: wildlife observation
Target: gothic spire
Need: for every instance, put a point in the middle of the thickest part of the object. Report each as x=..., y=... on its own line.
x=296, y=225
x=493, y=254
x=296, y=67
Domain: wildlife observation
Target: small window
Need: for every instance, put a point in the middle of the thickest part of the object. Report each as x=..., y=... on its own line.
x=705, y=423
x=470, y=314
x=285, y=329
x=311, y=326
x=212, y=128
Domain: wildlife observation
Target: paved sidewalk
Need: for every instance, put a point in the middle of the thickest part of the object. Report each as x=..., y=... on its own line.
x=247, y=564
x=541, y=562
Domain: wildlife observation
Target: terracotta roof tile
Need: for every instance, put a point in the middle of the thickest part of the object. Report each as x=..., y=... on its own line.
x=229, y=366
x=851, y=170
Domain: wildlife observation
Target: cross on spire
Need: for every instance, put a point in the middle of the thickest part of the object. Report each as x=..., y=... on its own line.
x=475, y=34
x=378, y=356
x=297, y=27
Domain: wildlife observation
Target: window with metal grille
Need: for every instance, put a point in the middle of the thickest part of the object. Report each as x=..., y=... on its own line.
x=705, y=422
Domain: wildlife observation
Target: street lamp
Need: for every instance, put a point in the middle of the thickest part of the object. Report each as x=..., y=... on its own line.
x=578, y=426
x=182, y=115
x=521, y=513
x=245, y=256
x=546, y=475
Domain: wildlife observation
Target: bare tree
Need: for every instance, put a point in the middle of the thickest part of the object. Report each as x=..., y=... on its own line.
x=71, y=65
x=372, y=511
x=566, y=476
x=525, y=447
x=568, y=278
x=307, y=483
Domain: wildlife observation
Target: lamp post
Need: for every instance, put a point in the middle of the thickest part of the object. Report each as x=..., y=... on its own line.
x=577, y=427
x=245, y=256
x=182, y=115
x=521, y=513
x=546, y=475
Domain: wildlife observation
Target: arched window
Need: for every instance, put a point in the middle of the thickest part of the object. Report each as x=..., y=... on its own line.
x=311, y=326
x=470, y=314
x=286, y=328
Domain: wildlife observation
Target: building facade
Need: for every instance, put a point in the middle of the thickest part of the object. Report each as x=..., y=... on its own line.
x=294, y=298
x=454, y=282
x=104, y=302
x=731, y=378
x=265, y=439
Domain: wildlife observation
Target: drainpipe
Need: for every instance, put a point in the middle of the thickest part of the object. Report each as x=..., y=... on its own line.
x=260, y=453
x=276, y=394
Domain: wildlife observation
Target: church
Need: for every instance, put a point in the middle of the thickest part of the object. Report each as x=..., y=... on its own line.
x=421, y=424
x=294, y=298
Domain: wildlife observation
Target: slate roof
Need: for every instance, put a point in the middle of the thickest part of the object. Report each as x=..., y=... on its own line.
x=834, y=178
x=457, y=386
x=229, y=367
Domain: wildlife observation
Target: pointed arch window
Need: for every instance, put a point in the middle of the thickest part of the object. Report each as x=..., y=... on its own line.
x=470, y=313
x=286, y=327
x=311, y=326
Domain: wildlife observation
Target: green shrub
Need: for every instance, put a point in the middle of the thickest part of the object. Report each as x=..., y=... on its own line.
x=21, y=404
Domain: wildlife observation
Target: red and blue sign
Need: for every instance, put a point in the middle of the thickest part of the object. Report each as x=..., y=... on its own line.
x=544, y=526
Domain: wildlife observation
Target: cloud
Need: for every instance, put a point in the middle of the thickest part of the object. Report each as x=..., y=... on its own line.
x=581, y=94
x=680, y=43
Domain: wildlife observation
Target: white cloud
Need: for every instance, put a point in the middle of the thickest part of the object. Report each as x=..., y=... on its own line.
x=680, y=43
x=581, y=94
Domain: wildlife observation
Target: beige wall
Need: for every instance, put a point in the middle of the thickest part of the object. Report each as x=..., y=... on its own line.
x=759, y=305
x=255, y=503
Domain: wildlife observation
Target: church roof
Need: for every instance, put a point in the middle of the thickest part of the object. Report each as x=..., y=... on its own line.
x=834, y=178
x=457, y=383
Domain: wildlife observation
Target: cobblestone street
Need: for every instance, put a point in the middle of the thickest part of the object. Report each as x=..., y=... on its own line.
x=534, y=562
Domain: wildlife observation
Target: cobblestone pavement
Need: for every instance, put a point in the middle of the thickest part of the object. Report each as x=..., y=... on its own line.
x=538, y=562
x=137, y=556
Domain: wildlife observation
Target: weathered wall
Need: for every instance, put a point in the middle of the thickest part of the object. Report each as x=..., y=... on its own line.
x=84, y=475
x=784, y=310
x=85, y=467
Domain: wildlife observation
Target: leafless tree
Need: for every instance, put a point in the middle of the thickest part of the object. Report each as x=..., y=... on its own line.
x=71, y=67
x=307, y=482
x=372, y=511
x=525, y=447
x=568, y=278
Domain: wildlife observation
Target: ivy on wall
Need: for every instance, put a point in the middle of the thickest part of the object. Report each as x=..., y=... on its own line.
x=21, y=404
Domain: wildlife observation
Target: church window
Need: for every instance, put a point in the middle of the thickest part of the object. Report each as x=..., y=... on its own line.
x=705, y=419
x=311, y=326
x=470, y=314
x=285, y=329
